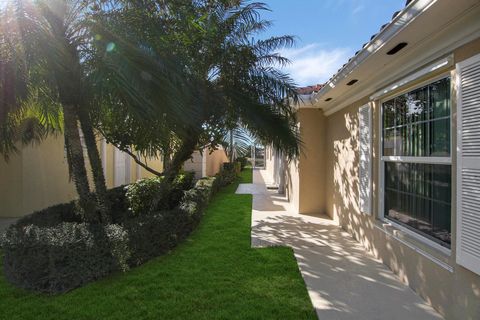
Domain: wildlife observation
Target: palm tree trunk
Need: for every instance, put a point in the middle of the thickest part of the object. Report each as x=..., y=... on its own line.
x=189, y=143
x=76, y=163
x=231, y=147
x=95, y=166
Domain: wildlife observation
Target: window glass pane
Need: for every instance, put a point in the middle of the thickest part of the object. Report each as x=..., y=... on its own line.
x=388, y=114
x=420, y=147
x=402, y=139
x=440, y=137
x=416, y=105
x=440, y=98
x=421, y=119
x=418, y=196
x=401, y=110
x=388, y=142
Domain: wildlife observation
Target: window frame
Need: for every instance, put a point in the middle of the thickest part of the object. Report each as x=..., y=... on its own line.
x=409, y=159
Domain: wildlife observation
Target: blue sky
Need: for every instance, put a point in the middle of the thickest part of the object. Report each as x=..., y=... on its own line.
x=329, y=32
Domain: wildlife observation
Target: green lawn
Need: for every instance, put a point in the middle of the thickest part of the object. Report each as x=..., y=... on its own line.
x=213, y=275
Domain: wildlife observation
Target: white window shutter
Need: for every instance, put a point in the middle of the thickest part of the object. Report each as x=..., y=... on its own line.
x=365, y=163
x=468, y=164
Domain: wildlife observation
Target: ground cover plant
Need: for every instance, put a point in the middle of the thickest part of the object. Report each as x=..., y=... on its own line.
x=214, y=274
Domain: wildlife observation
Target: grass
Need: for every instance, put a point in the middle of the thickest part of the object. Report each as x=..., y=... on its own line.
x=213, y=275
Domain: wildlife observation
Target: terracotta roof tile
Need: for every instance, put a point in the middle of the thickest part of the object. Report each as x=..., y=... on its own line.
x=309, y=89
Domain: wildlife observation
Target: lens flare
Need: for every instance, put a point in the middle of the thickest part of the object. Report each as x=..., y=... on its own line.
x=110, y=47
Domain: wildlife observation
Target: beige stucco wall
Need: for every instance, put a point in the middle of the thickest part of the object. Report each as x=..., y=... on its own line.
x=195, y=164
x=37, y=177
x=304, y=177
x=292, y=185
x=139, y=172
x=270, y=162
x=136, y=171
x=208, y=163
x=311, y=164
x=456, y=294
x=274, y=168
x=215, y=161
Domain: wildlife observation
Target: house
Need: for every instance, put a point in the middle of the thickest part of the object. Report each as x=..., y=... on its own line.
x=37, y=176
x=392, y=151
x=206, y=163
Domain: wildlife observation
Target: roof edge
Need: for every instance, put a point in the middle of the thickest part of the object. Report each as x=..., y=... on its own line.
x=414, y=9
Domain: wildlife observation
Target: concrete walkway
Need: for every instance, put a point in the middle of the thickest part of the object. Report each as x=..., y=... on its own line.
x=343, y=281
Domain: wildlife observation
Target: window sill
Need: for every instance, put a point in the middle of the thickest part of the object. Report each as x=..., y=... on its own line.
x=427, y=248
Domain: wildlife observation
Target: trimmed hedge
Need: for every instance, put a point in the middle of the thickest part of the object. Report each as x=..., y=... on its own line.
x=63, y=257
x=53, y=251
x=149, y=195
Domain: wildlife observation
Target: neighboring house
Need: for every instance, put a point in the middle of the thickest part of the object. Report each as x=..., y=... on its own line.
x=392, y=151
x=207, y=163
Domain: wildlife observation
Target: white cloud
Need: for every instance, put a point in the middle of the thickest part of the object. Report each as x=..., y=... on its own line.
x=314, y=63
x=357, y=9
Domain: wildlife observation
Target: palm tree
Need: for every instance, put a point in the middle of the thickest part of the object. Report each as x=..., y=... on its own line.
x=237, y=143
x=42, y=46
x=196, y=64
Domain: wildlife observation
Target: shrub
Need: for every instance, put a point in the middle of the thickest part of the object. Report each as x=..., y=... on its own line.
x=149, y=195
x=51, y=216
x=63, y=257
x=182, y=182
x=149, y=237
x=243, y=162
x=142, y=195
x=43, y=253
x=227, y=175
x=210, y=183
x=156, y=233
x=238, y=167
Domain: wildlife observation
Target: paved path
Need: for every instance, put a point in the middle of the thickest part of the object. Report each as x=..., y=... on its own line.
x=343, y=281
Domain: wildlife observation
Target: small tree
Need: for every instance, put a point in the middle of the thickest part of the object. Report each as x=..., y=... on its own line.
x=193, y=66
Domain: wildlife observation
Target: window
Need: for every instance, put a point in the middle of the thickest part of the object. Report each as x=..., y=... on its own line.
x=416, y=161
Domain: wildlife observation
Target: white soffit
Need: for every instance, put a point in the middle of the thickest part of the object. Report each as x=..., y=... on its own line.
x=434, y=67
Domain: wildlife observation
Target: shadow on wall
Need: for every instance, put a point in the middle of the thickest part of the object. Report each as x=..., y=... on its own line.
x=288, y=180
x=431, y=281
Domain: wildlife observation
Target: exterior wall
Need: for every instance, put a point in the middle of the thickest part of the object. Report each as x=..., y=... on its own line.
x=270, y=161
x=24, y=187
x=451, y=289
x=305, y=177
x=311, y=164
x=194, y=164
x=154, y=163
x=292, y=185
x=37, y=177
x=275, y=164
x=206, y=164
x=215, y=161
